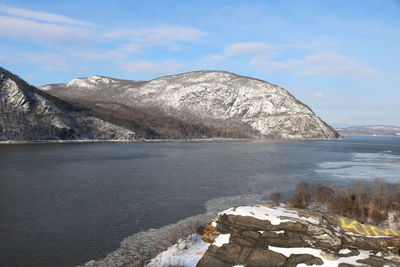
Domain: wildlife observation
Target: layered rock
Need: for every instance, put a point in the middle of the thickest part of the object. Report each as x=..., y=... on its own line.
x=209, y=98
x=255, y=236
x=28, y=114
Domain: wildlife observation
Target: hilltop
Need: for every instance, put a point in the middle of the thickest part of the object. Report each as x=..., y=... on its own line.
x=215, y=103
x=193, y=105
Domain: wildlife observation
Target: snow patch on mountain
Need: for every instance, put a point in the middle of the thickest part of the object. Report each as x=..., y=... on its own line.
x=214, y=98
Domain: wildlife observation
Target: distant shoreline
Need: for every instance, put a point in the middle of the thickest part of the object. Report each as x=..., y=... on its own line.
x=84, y=141
x=369, y=135
x=182, y=140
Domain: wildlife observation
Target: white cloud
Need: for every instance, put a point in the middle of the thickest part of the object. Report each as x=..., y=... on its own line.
x=8, y=59
x=49, y=28
x=212, y=59
x=77, y=39
x=162, y=35
x=246, y=49
x=265, y=63
x=132, y=48
x=97, y=55
x=42, y=27
x=41, y=16
x=139, y=39
x=324, y=64
x=24, y=29
x=148, y=67
x=50, y=62
x=254, y=49
x=331, y=64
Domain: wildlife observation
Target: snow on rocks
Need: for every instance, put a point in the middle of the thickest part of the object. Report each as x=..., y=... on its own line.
x=318, y=254
x=89, y=82
x=270, y=235
x=273, y=214
x=186, y=253
x=221, y=240
x=344, y=251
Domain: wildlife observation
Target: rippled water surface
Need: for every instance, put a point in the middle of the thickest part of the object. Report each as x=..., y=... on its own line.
x=64, y=204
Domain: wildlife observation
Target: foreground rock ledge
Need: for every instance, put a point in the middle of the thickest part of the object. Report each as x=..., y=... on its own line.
x=278, y=236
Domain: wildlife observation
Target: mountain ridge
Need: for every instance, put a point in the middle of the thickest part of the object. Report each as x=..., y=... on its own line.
x=207, y=97
x=29, y=114
x=198, y=105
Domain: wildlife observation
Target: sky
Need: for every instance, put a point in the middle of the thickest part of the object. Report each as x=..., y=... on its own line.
x=341, y=58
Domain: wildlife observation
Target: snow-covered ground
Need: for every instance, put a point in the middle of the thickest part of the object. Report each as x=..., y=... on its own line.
x=185, y=253
x=265, y=213
x=317, y=253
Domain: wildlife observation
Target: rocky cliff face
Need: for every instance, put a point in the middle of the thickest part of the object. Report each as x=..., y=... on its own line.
x=28, y=114
x=207, y=98
x=275, y=236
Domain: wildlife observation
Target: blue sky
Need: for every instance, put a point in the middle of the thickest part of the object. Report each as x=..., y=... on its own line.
x=342, y=58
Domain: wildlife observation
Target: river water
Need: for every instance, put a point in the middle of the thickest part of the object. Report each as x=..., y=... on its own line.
x=64, y=204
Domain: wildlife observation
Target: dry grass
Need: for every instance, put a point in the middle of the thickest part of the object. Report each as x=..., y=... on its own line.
x=367, y=203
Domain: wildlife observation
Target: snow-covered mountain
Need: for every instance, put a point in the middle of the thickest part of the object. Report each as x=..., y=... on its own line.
x=213, y=99
x=28, y=114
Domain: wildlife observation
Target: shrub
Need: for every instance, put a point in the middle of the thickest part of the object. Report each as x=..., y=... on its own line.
x=375, y=215
x=364, y=202
x=275, y=197
x=302, y=196
x=200, y=230
x=308, y=193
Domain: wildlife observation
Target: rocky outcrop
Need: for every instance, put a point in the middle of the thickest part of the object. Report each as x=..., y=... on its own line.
x=28, y=114
x=255, y=236
x=208, y=98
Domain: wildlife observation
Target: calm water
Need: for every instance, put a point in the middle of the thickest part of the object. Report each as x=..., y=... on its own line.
x=64, y=204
